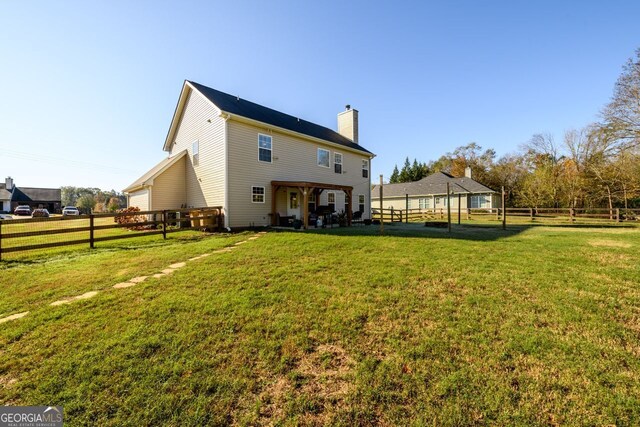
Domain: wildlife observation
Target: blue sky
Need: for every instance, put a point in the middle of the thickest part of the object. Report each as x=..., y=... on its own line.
x=89, y=88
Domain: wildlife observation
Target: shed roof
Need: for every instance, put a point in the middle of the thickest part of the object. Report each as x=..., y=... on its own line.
x=433, y=184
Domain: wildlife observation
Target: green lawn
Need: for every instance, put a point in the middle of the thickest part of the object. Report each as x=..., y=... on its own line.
x=529, y=326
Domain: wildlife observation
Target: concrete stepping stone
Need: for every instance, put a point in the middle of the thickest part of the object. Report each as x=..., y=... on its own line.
x=240, y=243
x=124, y=285
x=138, y=279
x=254, y=237
x=177, y=265
x=168, y=270
x=159, y=275
x=86, y=295
x=14, y=316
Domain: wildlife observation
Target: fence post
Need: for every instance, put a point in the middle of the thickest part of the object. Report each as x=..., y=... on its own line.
x=571, y=215
x=0, y=240
x=91, y=245
x=468, y=213
x=504, y=211
x=381, y=205
x=448, y=208
x=531, y=214
x=164, y=224
x=391, y=213
x=617, y=214
x=459, y=207
x=406, y=202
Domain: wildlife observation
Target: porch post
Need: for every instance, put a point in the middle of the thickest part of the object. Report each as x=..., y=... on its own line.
x=305, y=208
x=274, y=190
x=349, y=207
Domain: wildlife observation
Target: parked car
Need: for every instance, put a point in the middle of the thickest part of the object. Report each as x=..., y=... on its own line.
x=5, y=216
x=22, y=210
x=70, y=210
x=40, y=213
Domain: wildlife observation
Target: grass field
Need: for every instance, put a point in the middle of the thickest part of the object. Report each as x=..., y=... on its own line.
x=529, y=326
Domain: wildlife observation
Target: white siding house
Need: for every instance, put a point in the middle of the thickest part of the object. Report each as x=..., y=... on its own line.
x=256, y=163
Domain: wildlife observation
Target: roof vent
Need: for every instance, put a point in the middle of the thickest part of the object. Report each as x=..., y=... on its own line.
x=347, y=107
x=298, y=119
x=238, y=98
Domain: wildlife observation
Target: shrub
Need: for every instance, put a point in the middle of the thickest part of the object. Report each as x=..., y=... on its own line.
x=130, y=217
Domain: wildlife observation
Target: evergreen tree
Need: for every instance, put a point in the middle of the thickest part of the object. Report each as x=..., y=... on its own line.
x=395, y=175
x=405, y=173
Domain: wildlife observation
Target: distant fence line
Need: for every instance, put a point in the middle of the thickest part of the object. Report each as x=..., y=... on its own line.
x=42, y=233
x=519, y=215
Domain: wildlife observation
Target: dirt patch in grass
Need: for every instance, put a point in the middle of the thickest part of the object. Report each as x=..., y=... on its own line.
x=320, y=381
x=605, y=243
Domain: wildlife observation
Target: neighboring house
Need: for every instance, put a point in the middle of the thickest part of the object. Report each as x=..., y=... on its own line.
x=431, y=193
x=258, y=164
x=12, y=196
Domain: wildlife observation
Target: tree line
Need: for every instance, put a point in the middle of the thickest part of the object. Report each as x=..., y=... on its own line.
x=89, y=199
x=593, y=167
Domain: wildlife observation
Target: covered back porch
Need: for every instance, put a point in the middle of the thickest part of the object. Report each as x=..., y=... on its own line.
x=301, y=194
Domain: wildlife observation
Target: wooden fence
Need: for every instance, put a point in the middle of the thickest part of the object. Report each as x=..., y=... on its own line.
x=514, y=215
x=42, y=233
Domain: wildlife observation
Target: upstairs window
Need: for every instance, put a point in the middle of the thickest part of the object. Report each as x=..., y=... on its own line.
x=264, y=148
x=365, y=168
x=337, y=162
x=257, y=194
x=195, y=152
x=323, y=158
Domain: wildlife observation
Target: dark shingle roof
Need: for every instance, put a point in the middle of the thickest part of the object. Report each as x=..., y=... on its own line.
x=241, y=107
x=27, y=194
x=433, y=184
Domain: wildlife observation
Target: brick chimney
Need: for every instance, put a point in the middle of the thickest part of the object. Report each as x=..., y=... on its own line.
x=348, y=123
x=8, y=183
x=467, y=172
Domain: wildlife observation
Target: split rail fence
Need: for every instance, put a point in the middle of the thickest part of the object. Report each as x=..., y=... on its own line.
x=514, y=215
x=30, y=234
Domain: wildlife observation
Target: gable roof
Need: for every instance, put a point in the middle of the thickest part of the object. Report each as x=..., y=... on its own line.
x=155, y=171
x=433, y=184
x=32, y=194
x=235, y=105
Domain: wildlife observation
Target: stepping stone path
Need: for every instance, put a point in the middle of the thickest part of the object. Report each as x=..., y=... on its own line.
x=86, y=295
x=135, y=280
x=14, y=316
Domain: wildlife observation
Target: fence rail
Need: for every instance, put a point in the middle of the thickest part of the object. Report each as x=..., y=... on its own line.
x=17, y=235
x=520, y=215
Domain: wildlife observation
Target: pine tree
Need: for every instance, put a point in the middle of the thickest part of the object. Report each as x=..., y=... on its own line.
x=395, y=175
x=405, y=173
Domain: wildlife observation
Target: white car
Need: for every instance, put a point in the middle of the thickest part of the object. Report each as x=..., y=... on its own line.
x=5, y=216
x=70, y=210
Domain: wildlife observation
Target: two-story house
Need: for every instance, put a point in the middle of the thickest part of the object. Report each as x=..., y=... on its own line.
x=255, y=162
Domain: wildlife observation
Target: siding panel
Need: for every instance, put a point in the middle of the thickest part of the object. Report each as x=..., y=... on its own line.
x=200, y=121
x=293, y=159
x=169, y=188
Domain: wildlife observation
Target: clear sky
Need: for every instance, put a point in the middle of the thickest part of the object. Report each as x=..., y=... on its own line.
x=88, y=88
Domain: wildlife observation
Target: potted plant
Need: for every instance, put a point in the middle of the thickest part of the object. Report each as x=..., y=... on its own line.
x=297, y=224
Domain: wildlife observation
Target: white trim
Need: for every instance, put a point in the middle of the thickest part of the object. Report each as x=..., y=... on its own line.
x=195, y=144
x=318, y=158
x=270, y=149
x=264, y=194
x=225, y=197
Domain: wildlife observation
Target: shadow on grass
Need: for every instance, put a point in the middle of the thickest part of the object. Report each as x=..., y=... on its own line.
x=476, y=232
